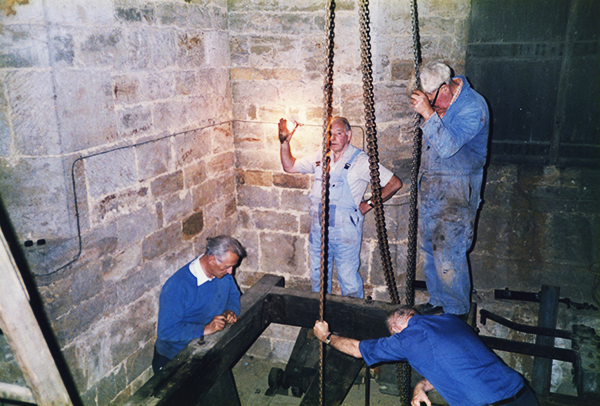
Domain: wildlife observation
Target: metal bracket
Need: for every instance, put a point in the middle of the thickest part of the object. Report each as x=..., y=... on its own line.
x=508, y=294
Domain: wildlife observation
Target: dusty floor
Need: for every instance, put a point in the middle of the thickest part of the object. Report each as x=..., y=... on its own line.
x=252, y=379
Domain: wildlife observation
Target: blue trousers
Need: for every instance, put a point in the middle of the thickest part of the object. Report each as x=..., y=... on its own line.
x=526, y=398
x=447, y=221
x=345, y=237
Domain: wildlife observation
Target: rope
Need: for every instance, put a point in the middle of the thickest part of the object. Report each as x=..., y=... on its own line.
x=328, y=102
x=369, y=102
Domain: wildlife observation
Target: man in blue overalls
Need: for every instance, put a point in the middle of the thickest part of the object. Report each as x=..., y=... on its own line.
x=349, y=177
x=455, y=137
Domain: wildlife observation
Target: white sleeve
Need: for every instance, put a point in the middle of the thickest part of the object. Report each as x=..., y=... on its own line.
x=307, y=164
x=364, y=171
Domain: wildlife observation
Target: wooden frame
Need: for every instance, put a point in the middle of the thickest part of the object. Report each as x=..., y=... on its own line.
x=197, y=368
x=23, y=334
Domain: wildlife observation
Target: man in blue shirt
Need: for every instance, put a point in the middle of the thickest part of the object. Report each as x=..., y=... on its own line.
x=454, y=151
x=446, y=352
x=199, y=299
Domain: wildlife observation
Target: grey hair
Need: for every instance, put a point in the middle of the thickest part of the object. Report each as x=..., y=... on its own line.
x=222, y=244
x=344, y=120
x=401, y=313
x=433, y=75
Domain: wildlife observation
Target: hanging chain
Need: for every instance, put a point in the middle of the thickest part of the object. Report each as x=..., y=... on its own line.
x=411, y=257
x=403, y=369
x=369, y=101
x=384, y=249
x=325, y=161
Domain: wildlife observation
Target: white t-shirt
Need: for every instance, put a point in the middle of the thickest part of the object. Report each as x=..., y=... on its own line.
x=359, y=174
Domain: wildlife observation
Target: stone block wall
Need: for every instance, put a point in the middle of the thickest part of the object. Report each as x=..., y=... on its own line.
x=118, y=114
x=277, y=70
x=154, y=123
x=539, y=225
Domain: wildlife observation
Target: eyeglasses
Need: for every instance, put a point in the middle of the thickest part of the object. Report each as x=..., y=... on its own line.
x=436, y=95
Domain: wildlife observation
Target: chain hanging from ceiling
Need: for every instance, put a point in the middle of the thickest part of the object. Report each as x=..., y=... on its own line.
x=369, y=102
x=404, y=369
x=324, y=215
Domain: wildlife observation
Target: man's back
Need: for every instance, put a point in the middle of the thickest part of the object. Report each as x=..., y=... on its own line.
x=447, y=352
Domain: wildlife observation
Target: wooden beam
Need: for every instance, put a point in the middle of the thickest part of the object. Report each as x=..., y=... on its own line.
x=25, y=337
x=16, y=393
x=196, y=369
x=547, y=316
x=340, y=373
x=347, y=316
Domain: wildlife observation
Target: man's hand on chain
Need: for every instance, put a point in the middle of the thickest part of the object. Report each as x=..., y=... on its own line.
x=420, y=104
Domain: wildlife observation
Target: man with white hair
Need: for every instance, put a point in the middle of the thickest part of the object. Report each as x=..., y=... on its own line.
x=349, y=176
x=199, y=299
x=455, y=137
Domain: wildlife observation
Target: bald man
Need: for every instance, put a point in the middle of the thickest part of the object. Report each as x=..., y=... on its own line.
x=349, y=177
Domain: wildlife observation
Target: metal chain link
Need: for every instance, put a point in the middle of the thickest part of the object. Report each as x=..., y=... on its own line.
x=411, y=260
x=403, y=369
x=369, y=102
x=325, y=162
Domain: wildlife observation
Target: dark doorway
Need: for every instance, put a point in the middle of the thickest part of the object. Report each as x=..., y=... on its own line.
x=538, y=64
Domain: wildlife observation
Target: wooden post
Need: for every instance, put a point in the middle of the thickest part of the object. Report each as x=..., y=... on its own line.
x=548, y=314
x=24, y=336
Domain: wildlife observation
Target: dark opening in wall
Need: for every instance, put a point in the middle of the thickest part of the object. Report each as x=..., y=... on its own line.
x=537, y=64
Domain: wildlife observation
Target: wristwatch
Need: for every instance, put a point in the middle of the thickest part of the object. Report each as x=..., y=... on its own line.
x=328, y=339
x=370, y=203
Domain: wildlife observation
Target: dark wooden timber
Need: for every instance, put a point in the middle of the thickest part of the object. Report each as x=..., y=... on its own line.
x=519, y=347
x=341, y=371
x=548, y=315
x=347, y=316
x=189, y=376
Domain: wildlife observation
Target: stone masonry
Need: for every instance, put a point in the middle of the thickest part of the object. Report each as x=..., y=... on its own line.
x=132, y=130
x=118, y=112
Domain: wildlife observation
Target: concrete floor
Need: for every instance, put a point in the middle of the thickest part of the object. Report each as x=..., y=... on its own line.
x=252, y=379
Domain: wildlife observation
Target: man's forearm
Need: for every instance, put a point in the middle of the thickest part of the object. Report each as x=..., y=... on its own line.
x=424, y=385
x=346, y=345
x=287, y=159
x=390, y=188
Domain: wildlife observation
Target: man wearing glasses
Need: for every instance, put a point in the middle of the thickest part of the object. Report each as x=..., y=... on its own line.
x=199, y=299
x=455, y=136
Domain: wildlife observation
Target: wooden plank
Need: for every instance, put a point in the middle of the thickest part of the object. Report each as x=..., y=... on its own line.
x=547, y=317
x=347, y=316
x=25, y=337
x=16, y=393
x=190, y=375
x=340, y=373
